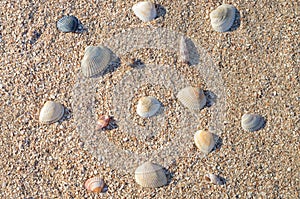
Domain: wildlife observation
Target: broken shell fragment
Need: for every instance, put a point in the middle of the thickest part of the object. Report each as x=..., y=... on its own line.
x=69, y=24
x=211, y=178
x=252, y=122
x=102, y=122
x=183, y=51
x=95, y=184
x=192, y=97
x=150, y=175
x=145, y=11
x=147, y=106
x=223, y=17
x=51, y=112
x=204, y=141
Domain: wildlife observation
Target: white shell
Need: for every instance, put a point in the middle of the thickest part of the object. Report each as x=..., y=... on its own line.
x=252, y=122
x=183, y=51
x=211, y=178
x=192, y=97
x=147, y=106
x=204, y=141
x=145, y=11
x=95, y=60
x=95, y=184
x=223, y=17
x=51, y=112
x=150, y=175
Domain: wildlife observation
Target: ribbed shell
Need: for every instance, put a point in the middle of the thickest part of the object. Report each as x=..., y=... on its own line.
x=150, y=175
x=51, y=112
x=223, y=17
x=204, y=141
x=212, y=178
x=95, y=184
x=67, y=24
x=95, y=60
x=145, y=11
x=192, y=97
x=147, y=106
x=183, y=51
x=252, y=122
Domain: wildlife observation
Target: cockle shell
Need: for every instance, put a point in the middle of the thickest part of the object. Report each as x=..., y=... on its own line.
x=145, y=11
x=192, y=97
x=150, y=175
x=51, y=112
x=223, y=17
x=147, y=106
x=68, y=24
x=252, y=122
x=102, y=122
x=95, y=60
x=204, y=141
x=211, y=178
x=95, y=184
x=183, y=51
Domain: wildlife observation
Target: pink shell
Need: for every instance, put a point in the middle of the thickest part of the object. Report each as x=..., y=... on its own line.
x=102, y=122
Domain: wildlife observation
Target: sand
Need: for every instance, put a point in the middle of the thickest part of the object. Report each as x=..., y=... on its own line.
x=258, y=62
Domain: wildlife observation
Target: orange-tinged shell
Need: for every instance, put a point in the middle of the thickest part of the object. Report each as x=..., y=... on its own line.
x=95, y=184
x=204, y=141
x=51, y=112
x=192, y=97
x=102, y=122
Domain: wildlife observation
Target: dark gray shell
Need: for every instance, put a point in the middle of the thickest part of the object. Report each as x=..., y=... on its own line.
x=68, y=24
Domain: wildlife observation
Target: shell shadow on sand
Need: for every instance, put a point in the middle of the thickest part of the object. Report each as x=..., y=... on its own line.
x=194, y=57
x=237, y=21
x=161, y=11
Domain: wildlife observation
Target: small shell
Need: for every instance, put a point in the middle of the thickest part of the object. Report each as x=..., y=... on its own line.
x=147, y=106
x=51, y=112
x=252, y=122
x=145, y=11
x=150, y=175
x=204, y=141
x=95, y=60
x=102, y=122
x=192, y=97
x=211, y=178
x=183, y=51
x=223, y=17
x=95, y=184
x=68, y=24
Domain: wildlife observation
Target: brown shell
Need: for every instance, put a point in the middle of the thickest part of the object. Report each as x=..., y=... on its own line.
x=102, y=122
x=204, y=141
x=95, y=184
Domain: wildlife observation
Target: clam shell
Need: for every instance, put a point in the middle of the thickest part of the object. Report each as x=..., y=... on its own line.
x=183, y=51
x=147, y=106
x=204, y=141
x=252, y=122
x=95, y=184
x=95, y=60
x=51, y=112
x=223, y=17
x=145, y=11
x=150, y=175
x=212, y=178
x=68, y=24
x=102, y=122
x=192, y=97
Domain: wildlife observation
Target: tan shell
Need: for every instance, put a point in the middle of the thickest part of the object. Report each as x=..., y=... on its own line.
x=145, y=11
x=223, y=17
x=102, y=122
x=204, y=141
x=183, y=51
x=252, y=122
x=95, y=184
x=51, y=112
x=150, y=175
x=95, y=60
x=211, y=178
x=192, y=97
x=147, y=106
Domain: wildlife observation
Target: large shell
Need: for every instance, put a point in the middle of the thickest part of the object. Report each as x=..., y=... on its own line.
x=183, y=51
x=68, y=24
x=95, y=60
x=252, y=122
x=147, y=106
x=192, y=97
x=95, y=184
x=51, y=112
x=204, y=141
x=145, y=11
x=150, y=175
x=223, y=17
x=212, y=178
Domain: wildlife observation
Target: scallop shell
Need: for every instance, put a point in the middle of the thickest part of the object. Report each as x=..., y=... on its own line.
x=192, y=97
x=183, y=51
x=204, y=141
x=51, y=112
x=95, y=184
x=102, y=122
x=95, y=60
x=145, y=11
x=223, y=17
x=150, y=175
x=252, y=122
x=211, y=178
x=68, y=24
x=147, y=106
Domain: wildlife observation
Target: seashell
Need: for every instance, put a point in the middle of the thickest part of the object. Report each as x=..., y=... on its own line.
x=183, y=51
x=145, y=11
x=192, y=97
x=252, y=122
x=95, y=60
x=223, y=17
x=150, y=175
x=147, y=106
x=51, y=112
x=95, y=184
x=102, y=122
x=68, y=24
x=211, y=178
x=204, y=141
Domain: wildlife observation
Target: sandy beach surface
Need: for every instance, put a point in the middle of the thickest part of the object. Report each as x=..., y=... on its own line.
x=257, y=61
